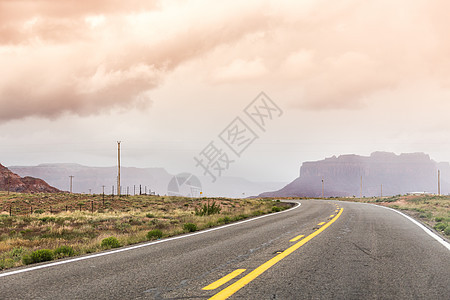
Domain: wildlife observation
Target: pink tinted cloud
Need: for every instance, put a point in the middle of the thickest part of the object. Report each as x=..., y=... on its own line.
x=345, y=53
x=58, y=60
x=61, y=62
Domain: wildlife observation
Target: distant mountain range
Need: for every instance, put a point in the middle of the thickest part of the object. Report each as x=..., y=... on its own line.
x=145, y=180
x=381, y=173
x=12, y=182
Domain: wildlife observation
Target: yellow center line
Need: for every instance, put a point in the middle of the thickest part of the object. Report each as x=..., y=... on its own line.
x=331, y=216
x=224, y=279
x=296, y=238
x=321, y=223
x=233, y=288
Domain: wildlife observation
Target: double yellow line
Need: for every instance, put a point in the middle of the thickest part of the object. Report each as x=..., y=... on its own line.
x=233, y=288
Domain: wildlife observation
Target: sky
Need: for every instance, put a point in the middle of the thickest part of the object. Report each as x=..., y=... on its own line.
x=173, y=80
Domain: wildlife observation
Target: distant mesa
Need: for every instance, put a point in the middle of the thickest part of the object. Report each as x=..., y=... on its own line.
x=382, y=173
x=14, y=183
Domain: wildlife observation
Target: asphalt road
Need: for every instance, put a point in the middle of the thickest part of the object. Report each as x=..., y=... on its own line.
x=359, y=252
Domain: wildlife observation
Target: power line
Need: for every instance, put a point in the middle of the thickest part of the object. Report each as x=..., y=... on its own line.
x=71, y=176
x=360, y=194
x=118, y=176
x=439, y=182
x=322, y=189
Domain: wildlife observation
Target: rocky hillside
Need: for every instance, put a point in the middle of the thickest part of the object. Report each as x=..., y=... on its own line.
x=14, y=183
x=381, y=171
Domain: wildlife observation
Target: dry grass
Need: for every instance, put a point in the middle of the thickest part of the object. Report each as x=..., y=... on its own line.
x=127, y=218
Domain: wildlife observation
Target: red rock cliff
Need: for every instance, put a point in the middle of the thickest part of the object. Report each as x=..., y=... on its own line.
x=14, y=183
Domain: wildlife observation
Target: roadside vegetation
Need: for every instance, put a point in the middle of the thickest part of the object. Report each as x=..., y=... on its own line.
x=432, y=210
x=43, y=227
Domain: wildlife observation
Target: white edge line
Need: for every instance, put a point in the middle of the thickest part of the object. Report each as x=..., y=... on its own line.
x=142, y=245
x=424, y=228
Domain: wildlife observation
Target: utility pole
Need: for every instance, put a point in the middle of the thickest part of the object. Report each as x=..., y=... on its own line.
x=322, y=189
x=103, y=194
x=134, y=190
x=118, y=176
x=381, y=190
x=360, y=194
x=439, y=182
x=71, y=176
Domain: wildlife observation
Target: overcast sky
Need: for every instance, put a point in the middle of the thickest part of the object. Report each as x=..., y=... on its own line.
x=168, y=78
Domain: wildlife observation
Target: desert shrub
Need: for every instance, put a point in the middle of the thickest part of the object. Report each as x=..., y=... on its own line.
x=134, y=221
x=63, y=251
x=276, y=209
x=154, y=234
x=440, y=226
x=224, y=220
x=6, y=263
x=39, y=211
x=389, y=200
x=447, y=230
x=110, y=242
x=208, y=209
x=47, y=219
x=190, y=227
x=257, y=213
x=41, y=255
x=240, y=217
x=27, y=219
x=439, y=219
x=16, y=253
x=149, y=215
x=26, y=259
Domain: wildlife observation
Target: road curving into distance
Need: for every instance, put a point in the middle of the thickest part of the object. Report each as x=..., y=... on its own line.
x=319, y=250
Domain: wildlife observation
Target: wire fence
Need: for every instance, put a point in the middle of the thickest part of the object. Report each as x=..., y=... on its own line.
x=71, y=203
